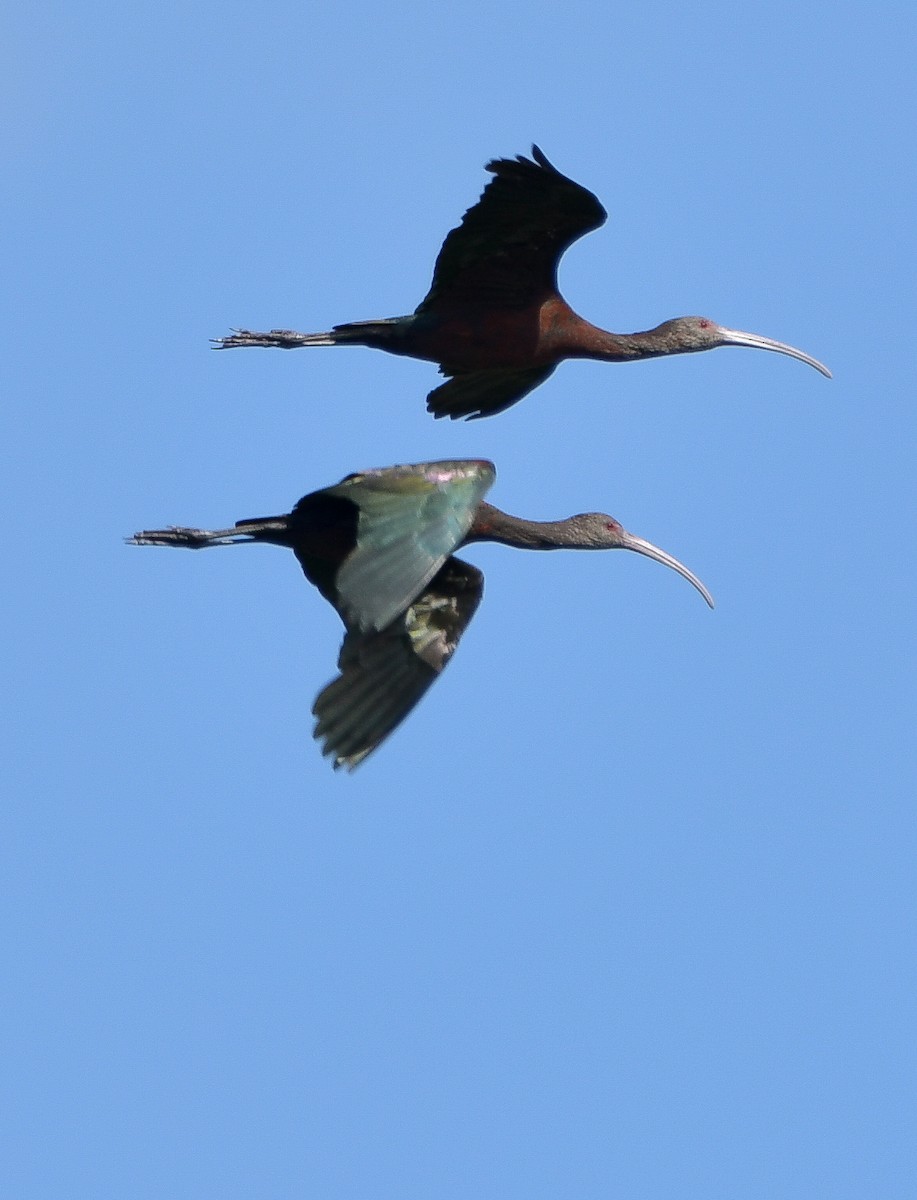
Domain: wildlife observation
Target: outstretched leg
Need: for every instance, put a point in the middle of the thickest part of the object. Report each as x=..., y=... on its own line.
x=278, y=339
x=271, y=529
x=389, y=333
x=191, y=539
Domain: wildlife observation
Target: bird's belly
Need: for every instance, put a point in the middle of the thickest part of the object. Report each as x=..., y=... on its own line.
x=475, y=342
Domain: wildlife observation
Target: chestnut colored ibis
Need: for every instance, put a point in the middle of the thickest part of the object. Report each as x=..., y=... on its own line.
x=494, y=319
x=379, y=547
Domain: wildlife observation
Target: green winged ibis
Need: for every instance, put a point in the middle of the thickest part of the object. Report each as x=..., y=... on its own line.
x=379, y=547
x=493, y=318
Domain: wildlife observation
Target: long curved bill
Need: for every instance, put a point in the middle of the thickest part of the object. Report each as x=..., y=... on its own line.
x=736, y=337
x=630, y=541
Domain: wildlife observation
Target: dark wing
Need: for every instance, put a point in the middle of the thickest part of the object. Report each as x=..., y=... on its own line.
x=476, y=394
x=507, y=248
x=384, y=674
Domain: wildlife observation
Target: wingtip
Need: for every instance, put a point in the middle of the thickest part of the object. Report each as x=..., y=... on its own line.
x=538, y=159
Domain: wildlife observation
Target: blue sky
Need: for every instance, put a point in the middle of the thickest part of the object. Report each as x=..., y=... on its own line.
x=626, y=908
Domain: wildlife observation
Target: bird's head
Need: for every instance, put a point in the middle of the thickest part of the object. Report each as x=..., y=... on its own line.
x=686, y=334
x=599, y=531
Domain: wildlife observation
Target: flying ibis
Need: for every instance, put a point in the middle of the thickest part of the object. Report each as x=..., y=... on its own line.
x=494, y=319
x=379, y=547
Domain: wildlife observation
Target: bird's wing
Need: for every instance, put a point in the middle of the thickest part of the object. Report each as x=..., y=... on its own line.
x=506, y=250
x=384, y=674
x=410, y=520
x=476, y=394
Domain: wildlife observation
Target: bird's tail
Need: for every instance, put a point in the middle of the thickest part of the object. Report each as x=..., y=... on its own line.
x=381, y=335
x=257, y=529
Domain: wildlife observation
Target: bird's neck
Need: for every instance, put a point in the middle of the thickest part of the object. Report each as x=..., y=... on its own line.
x=493, y=525
x=601, y=344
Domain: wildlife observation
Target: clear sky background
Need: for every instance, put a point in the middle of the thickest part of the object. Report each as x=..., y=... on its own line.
x=627, y=907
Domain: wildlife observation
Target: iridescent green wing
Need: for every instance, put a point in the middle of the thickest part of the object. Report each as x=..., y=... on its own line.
x=410, y=520
x=384, y=674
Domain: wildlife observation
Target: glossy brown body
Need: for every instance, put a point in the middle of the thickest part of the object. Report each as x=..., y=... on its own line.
x=542, y=334
x=493, y=318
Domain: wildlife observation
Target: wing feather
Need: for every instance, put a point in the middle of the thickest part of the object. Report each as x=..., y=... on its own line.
x=410, y=520
x=383, y=674
x=507, y=248
x=476, y=394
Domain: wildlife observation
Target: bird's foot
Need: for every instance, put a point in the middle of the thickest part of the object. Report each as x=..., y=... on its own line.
x=175, y=535
x=283, y=339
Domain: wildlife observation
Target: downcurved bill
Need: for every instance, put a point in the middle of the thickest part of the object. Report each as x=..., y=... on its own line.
x=630, y=541
x=735, y=337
